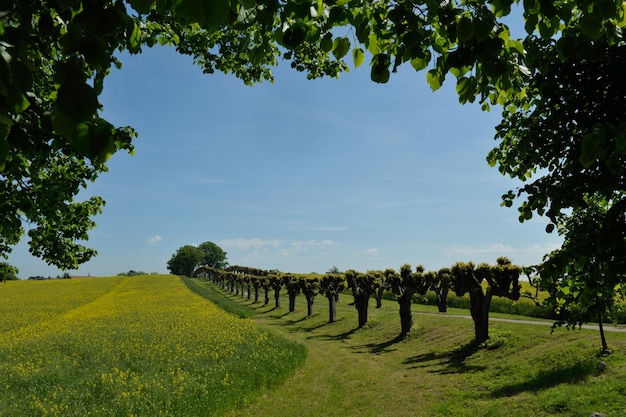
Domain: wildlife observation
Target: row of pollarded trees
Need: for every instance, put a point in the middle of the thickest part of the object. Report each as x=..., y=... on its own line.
x=482, y=282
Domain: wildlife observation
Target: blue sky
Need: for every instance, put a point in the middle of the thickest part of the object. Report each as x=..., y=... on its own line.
x=298, y=175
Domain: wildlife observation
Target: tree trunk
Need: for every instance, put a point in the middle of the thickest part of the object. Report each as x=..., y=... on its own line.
x=267, y=296
x=442, y=300
x=406, y=317
x=277, y=297
x=332, y=308
x=249, y=292
x=361, y=304
x=309, y=304
x=605, y=347
x=379, y=297
x=479, y=308
x=292, y=302
x=256, y=294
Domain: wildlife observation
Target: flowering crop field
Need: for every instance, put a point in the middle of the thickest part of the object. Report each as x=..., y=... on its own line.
x=130, y=346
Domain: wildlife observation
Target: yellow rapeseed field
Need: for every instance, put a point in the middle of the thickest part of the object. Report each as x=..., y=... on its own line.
x=128, y=346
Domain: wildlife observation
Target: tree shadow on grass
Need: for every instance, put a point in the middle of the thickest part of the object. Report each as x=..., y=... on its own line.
x=378, y=348
x=340, y=336
x=574, y=373
x=450, y=362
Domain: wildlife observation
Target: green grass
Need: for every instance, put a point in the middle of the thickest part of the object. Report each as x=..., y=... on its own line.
x=523, y=370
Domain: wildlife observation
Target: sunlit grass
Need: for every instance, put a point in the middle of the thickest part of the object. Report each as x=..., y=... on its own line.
x=523, y=370
x=130, y=346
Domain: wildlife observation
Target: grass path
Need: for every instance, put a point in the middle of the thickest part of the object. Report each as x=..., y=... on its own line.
x=434, y=371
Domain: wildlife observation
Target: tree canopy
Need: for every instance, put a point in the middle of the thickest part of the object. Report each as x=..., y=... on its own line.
x=560, y=89
x=188, y=258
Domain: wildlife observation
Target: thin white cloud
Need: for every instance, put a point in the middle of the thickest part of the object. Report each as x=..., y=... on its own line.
x=371, y=251
x=155, y=239
x=284, y=245
x=502, y=249
x=247, y=244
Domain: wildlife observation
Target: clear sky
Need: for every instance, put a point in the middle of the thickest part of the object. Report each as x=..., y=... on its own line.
x=298, y=175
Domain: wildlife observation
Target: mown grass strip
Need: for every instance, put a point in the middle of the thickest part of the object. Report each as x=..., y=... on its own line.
x=524, y=370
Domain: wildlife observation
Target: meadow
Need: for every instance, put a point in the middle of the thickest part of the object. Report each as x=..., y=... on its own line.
x=169, y=346
x=523, y=370
x=130, y=346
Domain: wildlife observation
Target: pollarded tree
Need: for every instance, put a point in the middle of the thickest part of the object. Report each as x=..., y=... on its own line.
x=440, y=284
x=185, y=260
x=331, y=285
x=362, y=286
x=257, y=282
x=309, y=287
x=501, y=280
x=266, y=284
x=292, y=284
x=276, y=283
x=405, y=285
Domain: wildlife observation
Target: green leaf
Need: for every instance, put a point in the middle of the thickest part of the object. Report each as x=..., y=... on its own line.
x=294, y=36
x=419, y=63
x=134, y=39
x=341, y=46
x=464, y=29
x=373, y=45
x=93, y=140
x=358, y=55
x=531, y=23
x=77, y=101
x=16, y=100
x=501, y=7
x=434, y=79
x=466, y=88
x=591, y=26
x=550, y=228
x=380, y=68
x=517, y=45
x=482, y=28
x=326, y=44
x=210, y=14
x=606, y=8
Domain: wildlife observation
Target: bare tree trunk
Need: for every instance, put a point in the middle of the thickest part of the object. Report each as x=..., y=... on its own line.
x=479, y=308
x=309, y=303
x=605, y=347
x=292, y=302
x=379, y=297
x=332, y=308
x=442, y=300
x=361, y=303
x=277, y=297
